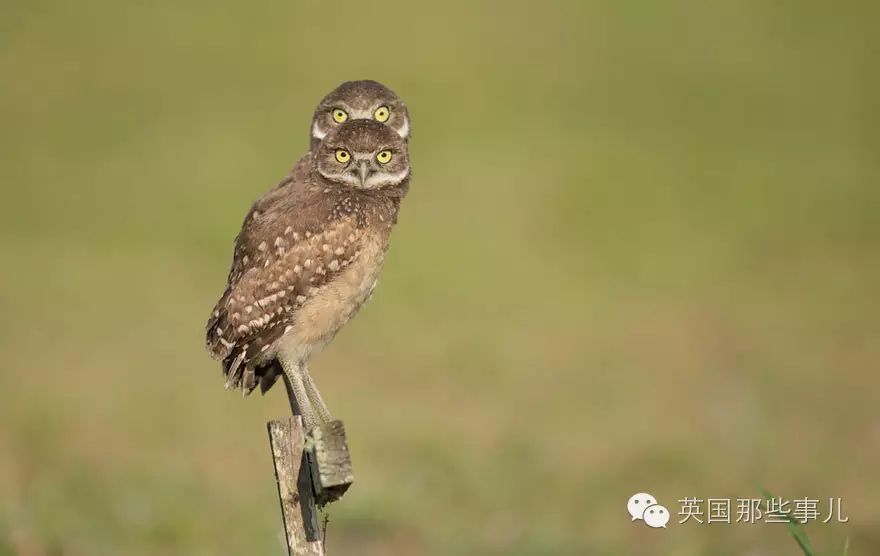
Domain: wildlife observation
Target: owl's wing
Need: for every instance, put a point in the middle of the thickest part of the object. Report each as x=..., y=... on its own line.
x=271, y=205
x=282, y=258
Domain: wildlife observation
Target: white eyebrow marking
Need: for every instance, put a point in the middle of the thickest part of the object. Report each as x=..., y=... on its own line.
x=317, y=132
x=404, y=129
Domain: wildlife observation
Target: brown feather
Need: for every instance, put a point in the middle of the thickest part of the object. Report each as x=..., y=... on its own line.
x=294, y=243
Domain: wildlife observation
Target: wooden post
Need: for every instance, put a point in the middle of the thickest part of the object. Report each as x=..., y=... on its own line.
x=312, y=469
x=287, y=438
x=330, y=462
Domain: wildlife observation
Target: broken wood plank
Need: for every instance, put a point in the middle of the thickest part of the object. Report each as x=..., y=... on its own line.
x=330, y=462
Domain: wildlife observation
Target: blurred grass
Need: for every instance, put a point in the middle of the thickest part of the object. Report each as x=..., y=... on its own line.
x=640, y=252
x=793, y=526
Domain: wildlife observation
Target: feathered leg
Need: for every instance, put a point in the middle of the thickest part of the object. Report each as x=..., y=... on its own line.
x=315, y=396
x=296, y=392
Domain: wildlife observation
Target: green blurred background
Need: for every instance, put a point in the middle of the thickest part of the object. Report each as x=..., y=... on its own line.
x=641, y=252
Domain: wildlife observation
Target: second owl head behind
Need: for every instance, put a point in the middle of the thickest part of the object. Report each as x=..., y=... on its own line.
x=363, y=154
x=359, y=100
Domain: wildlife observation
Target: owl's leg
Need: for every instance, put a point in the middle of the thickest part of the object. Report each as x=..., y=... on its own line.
x=315, y=396
x=296, y=391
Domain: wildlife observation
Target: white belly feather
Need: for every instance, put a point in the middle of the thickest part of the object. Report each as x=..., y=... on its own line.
x=319, y=319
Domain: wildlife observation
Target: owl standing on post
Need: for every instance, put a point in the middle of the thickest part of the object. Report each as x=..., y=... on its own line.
x=310, y=250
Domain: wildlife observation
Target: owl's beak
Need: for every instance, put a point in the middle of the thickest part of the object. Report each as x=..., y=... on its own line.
x=363, y=172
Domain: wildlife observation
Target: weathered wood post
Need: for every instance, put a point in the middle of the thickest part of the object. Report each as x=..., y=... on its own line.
x=287, y=438
x=312, y=468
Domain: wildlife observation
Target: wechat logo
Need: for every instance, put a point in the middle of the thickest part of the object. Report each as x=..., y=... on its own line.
x=645, y=507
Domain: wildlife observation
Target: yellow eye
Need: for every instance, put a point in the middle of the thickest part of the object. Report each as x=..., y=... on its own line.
x=381, y=114
x=339, y=115
x=384, y=157
x=342, y=155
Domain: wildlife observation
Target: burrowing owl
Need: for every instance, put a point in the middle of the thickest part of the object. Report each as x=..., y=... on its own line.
x=304, y=267
x=359, y=100
x=355, y=100
x=352, y=100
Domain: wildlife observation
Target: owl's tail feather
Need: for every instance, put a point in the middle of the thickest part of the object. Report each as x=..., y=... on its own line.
x=232, y=368
x=246, y=377
x=269, y=375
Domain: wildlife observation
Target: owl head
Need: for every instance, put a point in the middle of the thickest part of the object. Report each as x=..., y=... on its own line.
x=363, y=154
x=359, y=100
